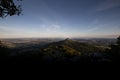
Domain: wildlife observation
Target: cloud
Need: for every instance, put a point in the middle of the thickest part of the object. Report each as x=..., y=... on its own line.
x=4, y=29
x=92, y=29
x=10, y=30
x=94, y=26
x=51, y=28
x=108, y=4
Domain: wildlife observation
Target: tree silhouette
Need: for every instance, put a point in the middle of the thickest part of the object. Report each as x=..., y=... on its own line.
x=8, y=7
x=118, y=41
x=115, y=50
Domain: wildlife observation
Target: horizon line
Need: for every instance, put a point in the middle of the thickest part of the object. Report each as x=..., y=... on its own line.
x=60, y=38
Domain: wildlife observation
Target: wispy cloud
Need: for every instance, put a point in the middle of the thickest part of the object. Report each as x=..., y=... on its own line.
x=92, y=29
x=51, y=28
x=4, y=29
x=95, y=25
x=108, y=4
x=11, y=30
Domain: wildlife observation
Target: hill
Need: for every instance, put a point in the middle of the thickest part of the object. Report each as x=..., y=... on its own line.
x=71, y=51
x=78, y=46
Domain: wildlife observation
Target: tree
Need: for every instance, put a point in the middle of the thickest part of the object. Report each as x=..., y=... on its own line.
x=118, y=40
x=8, y=7
x=115, y=50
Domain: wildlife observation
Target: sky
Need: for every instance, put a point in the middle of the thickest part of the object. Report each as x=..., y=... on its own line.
x=64, y=19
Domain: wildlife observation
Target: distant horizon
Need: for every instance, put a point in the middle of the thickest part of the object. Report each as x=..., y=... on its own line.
x=61, y=37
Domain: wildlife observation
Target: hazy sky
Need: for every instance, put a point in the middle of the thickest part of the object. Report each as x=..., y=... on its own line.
x=64, y=18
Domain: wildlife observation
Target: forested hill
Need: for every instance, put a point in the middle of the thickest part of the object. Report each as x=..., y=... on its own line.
x=78, y=46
